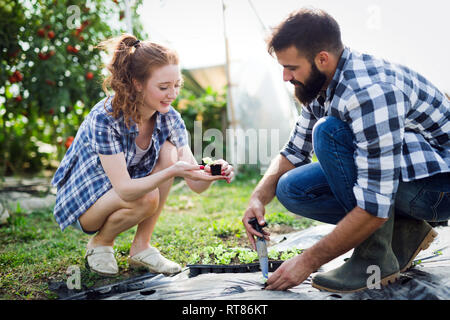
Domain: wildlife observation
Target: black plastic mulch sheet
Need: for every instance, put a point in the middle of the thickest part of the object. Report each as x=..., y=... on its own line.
x=429, y=279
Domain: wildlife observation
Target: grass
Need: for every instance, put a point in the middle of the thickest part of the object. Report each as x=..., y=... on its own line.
x=34, y=252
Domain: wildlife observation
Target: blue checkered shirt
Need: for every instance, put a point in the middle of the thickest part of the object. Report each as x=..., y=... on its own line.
x=80, y=178
x=400, y=121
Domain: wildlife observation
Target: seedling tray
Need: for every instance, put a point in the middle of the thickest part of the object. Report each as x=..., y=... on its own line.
x=196, y=269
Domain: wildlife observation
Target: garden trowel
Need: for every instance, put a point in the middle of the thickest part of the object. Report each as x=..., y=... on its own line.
x=261, y=248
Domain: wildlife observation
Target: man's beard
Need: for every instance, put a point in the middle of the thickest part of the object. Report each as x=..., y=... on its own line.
x=309, y=91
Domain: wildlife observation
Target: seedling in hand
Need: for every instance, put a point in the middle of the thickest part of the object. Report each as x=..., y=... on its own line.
x=216, y=169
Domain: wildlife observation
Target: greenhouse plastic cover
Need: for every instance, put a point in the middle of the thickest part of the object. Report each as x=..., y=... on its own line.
x=428, y=280
x=261, y=105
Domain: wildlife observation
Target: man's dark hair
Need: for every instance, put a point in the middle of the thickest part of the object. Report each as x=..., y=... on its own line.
x=310, y=31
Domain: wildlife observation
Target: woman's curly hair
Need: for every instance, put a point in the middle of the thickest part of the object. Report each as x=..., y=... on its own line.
x=132, y=60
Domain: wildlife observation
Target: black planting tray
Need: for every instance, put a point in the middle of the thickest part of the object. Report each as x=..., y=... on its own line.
x=196, y=269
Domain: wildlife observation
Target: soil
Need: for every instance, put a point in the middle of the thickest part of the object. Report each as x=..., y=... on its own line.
x=216, y=169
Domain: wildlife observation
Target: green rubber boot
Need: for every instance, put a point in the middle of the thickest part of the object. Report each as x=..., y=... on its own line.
x=374, y=256
x=409, y=237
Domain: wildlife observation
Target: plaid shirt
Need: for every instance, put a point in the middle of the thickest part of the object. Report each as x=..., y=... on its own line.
x=400, y=121
x=80, y=178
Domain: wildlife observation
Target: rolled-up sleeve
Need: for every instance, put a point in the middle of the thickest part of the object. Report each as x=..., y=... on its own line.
x=376, y=116
x=298, y=150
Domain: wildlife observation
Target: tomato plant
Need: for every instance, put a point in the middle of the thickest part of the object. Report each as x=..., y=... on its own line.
x=50, y=74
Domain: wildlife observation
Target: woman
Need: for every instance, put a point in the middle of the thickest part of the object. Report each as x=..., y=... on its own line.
x=119, y=169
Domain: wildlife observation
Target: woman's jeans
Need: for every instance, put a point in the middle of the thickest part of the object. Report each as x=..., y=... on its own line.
x=323, y=190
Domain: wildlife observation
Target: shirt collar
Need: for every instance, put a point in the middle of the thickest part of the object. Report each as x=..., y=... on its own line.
x=134, y=128
x=337, y=74
x=158, y=122
x=120, y=121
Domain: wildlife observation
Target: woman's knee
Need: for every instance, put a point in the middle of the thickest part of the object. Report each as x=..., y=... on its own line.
x=150, y=201
x=146, y=205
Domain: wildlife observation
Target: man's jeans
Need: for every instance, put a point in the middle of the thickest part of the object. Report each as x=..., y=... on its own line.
x=323, y=190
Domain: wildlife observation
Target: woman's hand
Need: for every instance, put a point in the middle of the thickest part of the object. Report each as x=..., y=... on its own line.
x=193, y=172
x=227, y=169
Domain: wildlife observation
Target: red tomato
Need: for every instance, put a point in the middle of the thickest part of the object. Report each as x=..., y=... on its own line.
x=18, y=75
x=68, y=142
x=89, y=75
x=78, y=31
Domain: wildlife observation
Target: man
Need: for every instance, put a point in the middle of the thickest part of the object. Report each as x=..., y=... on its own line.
x=381, y=133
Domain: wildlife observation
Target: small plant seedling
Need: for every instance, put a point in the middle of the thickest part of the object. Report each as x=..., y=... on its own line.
x=194, y=258
x=207, y=160
x=216, y=169
x=220, y=255
x=273, y=254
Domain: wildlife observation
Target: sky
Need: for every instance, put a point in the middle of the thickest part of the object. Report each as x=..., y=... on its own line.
x=414, y=33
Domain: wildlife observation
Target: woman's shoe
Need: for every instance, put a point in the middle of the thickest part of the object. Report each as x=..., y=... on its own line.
x=152, y=259
x=101, y=260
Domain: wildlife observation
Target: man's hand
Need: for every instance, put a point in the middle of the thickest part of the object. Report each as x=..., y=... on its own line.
x=291, y=273
x=256, y=210
x=353, y=229
x=262, y=195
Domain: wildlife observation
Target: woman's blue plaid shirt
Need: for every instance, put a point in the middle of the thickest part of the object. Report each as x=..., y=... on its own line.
x=80, y=178
x=401, y=124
